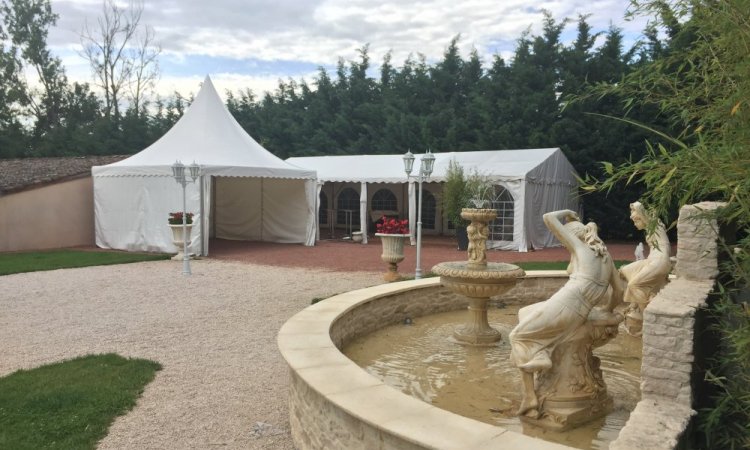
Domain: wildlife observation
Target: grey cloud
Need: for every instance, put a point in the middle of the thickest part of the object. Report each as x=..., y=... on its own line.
x=320, y=31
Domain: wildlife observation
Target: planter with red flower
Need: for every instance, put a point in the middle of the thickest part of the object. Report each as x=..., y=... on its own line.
x=175, y=223
x=392, y=233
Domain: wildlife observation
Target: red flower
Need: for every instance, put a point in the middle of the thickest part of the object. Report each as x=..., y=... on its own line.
x=175, y=218
x=392, y=226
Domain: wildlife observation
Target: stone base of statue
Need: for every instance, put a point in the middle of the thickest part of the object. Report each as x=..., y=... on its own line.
x=634, y=319
x=572, y=392
x=478, y=286
x=478, y=330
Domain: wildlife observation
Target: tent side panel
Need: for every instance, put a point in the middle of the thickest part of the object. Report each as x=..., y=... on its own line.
x=545, y=198
x=131, y=213
x=238, y=208
x=285, y=211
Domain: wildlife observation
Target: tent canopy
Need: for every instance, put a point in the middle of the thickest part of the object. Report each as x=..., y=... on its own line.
x=539, y=180
x=133, y=197
x=498, y=165
x=209, y=135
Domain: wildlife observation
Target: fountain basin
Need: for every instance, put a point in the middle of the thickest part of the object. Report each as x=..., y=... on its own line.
x=336, y=404
x=494, y=279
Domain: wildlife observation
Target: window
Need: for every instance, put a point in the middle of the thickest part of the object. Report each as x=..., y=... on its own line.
x=429, y=212
x=323, y=208
x=384, y=200
x=501, y=229
x=348, y=200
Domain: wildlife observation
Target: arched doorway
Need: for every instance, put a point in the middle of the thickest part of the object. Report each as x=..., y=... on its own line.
x=501, y=229
x=348, y=200
x=429, y=212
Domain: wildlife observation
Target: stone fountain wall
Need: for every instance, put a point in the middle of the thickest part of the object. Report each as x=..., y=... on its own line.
x=671, y=321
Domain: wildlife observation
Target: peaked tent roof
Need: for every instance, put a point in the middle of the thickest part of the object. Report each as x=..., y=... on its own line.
x=209, y=135
x=499, y=165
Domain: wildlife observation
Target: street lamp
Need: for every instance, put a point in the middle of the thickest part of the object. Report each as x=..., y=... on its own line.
x=426, y=163
x=178, y=172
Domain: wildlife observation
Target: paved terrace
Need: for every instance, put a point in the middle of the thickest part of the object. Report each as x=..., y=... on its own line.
x=347, y=256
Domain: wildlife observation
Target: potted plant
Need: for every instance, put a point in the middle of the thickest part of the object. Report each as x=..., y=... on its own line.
x=461, y=191
x=392, y=233
x=455, y=197
x=175, y=223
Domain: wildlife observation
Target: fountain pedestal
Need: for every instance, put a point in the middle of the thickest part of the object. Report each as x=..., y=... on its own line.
x=478, y=280
x=572, y=392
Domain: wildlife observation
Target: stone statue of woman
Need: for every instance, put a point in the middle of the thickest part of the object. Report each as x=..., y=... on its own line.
x=568, y=315
x=647, y=276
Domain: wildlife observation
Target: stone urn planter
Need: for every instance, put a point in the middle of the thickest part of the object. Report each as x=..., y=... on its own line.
x=178, y=240
x=393, y=253
x=175, y=223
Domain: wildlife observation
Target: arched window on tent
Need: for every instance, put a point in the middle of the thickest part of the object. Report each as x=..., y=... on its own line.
x=348, y=199
x=323, y=208
x=384, y=200
x=429, y=213
x=501, y=229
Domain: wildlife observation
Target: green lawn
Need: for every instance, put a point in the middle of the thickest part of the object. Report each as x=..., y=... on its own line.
x=65, y=259
x=71, y=404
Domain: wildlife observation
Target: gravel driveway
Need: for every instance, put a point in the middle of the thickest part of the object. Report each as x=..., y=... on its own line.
x=223, y=383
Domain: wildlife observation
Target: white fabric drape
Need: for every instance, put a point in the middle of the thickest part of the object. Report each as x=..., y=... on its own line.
x=412, y=212
x=363, y=211
x=311, y=199
x=318, y=188
x=205, y=222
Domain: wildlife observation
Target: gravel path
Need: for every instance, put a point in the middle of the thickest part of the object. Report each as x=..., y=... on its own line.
x=223, y=382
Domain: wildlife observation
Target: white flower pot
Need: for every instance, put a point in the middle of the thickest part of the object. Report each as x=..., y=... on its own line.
x=178, y=240
x=393, y=253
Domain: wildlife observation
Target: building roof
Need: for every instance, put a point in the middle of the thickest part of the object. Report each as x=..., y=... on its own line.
x=19, y=174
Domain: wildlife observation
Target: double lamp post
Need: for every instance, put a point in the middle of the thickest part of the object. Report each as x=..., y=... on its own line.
x=178, y=171
x=426, y=164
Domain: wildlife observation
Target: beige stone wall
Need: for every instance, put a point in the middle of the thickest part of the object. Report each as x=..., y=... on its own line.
x=53, y=216
x=662, y=417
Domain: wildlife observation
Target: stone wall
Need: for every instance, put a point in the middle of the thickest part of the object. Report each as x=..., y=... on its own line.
x=51, y=216
x=668, y=373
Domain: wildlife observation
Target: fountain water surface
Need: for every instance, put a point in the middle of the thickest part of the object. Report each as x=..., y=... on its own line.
x=481, y=382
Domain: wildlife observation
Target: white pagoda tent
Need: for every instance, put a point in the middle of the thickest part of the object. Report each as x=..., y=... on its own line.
x=244, y=192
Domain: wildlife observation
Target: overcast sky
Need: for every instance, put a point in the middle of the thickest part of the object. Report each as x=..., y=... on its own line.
x=254, y=43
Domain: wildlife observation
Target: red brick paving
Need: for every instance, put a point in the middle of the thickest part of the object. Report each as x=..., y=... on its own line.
x=344, y=255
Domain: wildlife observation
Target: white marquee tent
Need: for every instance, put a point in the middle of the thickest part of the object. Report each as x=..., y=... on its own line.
x=539, y=180
x=244, y=192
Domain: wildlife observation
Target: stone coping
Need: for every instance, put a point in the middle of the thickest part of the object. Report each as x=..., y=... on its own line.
x=306, y=345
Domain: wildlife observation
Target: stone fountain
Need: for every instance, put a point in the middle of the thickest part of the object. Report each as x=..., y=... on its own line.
x=477, y=279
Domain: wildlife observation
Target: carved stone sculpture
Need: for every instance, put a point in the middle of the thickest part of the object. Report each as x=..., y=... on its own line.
x=553, y=341
x=477, y=232
x=647, y=276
